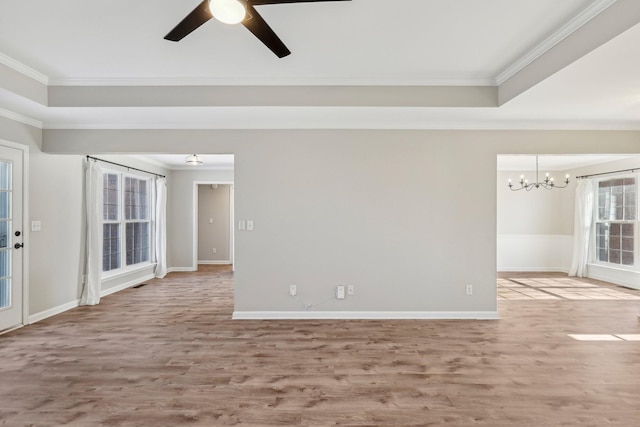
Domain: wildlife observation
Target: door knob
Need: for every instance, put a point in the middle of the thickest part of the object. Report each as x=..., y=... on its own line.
x=18, y=245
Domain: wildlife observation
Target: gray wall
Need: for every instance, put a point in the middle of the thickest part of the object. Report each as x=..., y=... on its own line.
x=180, y=215
x=57, y=252
x=213, y=222
x=407, y=217
x=56, y=198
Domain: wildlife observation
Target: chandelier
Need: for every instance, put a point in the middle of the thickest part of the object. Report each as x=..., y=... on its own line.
x=547, y=184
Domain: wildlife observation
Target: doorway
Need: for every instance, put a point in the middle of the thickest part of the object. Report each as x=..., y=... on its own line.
x=213, y=223
x=12, y=301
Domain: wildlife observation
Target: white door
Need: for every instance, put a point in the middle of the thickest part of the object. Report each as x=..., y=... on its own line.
x=10, y=237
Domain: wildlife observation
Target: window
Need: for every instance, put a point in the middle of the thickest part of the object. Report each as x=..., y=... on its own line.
x=126, y=201
x=616, y=222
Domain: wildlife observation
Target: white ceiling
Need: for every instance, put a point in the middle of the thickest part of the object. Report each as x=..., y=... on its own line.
x=554, y=163
x=359, y=42
x=349, y=42
x=177, y=161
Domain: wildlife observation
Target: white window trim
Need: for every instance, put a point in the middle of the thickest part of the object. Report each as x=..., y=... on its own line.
x=127, y=269
x=636, y=233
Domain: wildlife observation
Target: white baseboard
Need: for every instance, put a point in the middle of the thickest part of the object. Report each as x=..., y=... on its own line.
x=53, y=311
x=366, y=315
x=73, y=304
x=215, y=262
x=535, y=270
x=180, y=269
x=114, y=289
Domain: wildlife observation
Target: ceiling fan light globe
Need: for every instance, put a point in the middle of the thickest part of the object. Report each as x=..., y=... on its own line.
x=228, y=11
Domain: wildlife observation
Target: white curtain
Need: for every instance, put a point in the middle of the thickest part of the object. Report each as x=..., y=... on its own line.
x=93, y=189
x=161, y=227
x=582, y=227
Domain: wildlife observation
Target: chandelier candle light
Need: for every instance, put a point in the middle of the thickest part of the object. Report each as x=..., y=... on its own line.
x=547, y=184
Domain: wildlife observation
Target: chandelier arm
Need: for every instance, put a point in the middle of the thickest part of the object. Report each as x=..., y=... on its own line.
x=547, y=184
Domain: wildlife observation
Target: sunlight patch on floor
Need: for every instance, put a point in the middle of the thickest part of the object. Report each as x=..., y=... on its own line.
x=557, y=288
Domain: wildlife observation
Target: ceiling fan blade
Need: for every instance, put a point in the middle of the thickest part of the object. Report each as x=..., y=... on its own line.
x=264, y=33
x=197, y=17
x=260, y=2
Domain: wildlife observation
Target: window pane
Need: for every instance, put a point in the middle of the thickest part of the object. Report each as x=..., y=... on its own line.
x=5, y=293
x=110, y=247
x=136, y=199
x=137, y=242
x=617, y=199
x=5, y=204
x=614, y=229
x=4, y=234
x=614, y=242
x=603, y=255
x=111, y=198
x=5, y=263
x=614, y=257
x=5, y=176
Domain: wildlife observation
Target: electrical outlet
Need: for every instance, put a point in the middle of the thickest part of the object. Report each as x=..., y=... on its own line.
x=351, y=290
x=293, y=290
x=215, y=251
x=469, y=289
x=340, y=292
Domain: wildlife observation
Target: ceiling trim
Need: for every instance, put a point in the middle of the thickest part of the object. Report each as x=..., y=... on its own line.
x=593, y=10
x=21, y=118
x=23, y=69
x=453, y=124
x=276, y=81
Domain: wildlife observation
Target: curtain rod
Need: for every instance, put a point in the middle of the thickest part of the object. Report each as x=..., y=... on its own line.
x=125, y=166
x=607, y=173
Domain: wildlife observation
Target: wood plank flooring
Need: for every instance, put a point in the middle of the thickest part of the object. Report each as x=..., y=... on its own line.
x=167, y=354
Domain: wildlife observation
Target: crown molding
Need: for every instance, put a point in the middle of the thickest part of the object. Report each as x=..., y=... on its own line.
x=20, y=118
x=23, y=69
x=593, y=10
x=276, y=81
x=473, y=124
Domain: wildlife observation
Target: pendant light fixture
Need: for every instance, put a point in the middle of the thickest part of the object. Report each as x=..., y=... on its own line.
x=194, y=160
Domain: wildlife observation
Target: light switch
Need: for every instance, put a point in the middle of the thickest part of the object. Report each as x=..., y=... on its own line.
x=210, y=220
x=36, y=225
x=249, y=225
x=241, y=225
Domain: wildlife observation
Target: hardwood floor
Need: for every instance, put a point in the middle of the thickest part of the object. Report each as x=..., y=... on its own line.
x=167, y=354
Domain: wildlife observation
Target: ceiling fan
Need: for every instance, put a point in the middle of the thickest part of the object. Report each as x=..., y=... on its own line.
x=235, y=12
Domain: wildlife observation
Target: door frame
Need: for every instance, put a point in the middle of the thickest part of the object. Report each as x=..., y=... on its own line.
x=24, y=149
x=194, y=265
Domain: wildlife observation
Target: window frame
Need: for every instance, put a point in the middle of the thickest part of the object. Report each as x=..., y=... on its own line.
x=124, y=268
x=635, y=222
